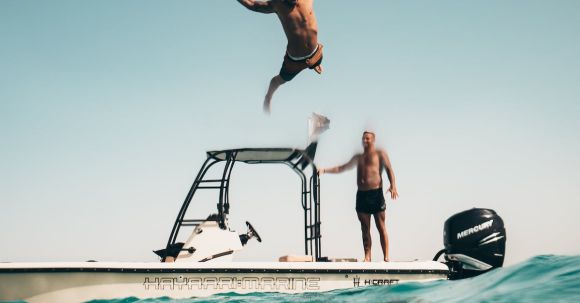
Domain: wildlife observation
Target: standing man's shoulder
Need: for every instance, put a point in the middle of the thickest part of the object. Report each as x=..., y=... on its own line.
x=354, y=159
x=382, y=153
x=384, y=158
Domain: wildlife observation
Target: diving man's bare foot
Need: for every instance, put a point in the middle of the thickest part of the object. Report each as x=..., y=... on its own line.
x=274, y=84
x=267, y=102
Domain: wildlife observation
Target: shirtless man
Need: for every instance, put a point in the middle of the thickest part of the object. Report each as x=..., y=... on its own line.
x=303, y=51
x=369, y=197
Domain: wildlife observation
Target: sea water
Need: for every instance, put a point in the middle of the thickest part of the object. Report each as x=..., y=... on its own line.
x=545, y=278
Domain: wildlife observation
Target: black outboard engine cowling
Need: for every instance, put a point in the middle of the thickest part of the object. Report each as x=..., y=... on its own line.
x=474, y=242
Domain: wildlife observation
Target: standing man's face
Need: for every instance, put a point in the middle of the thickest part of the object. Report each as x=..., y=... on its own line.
x=368, y=140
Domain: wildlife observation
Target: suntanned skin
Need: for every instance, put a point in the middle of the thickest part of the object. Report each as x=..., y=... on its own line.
x=369, y=167
x=301, y=29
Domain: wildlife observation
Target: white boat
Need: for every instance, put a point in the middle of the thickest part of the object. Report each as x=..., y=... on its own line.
x=197, y=260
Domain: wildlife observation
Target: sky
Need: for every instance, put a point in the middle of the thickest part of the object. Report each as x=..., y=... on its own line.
x=107, y=109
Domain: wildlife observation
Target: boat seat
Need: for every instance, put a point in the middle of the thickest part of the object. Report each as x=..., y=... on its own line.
x=343, y=260
x=296, y=258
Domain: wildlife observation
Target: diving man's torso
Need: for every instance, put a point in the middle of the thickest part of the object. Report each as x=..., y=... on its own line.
x=300, y=26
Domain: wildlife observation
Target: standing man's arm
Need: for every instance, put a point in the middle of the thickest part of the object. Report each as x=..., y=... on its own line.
x=338, y=169
x=390, y=174
x=264, y=7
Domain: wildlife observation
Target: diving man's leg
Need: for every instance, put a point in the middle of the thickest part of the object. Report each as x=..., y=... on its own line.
x=274, y=84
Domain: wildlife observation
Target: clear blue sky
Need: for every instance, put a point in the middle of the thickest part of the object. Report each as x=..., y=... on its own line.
x=107, y=107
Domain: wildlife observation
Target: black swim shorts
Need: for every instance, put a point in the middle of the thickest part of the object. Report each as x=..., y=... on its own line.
x=370, y=201
x=291, y=68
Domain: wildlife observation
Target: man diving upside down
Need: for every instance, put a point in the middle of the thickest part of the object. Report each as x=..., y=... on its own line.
x=303, y=50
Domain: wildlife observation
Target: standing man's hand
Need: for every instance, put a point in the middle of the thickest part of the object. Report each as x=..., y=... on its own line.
x=393, y=190
x=320, y=171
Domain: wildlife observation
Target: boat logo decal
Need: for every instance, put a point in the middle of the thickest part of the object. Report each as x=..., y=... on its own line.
x=474, y=229
x=220, y=283
x=367, y=282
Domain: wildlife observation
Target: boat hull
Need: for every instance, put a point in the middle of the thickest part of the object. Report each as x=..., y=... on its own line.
x=79, y=282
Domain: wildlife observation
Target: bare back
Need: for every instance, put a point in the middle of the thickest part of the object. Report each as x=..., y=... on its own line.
x=368, y=170
x=300, y=26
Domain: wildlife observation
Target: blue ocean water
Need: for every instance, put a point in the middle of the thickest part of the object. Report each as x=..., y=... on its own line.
x=546, y=278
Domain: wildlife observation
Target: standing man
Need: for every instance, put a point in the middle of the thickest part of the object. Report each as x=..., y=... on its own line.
x=369, y=197
x=303, y=51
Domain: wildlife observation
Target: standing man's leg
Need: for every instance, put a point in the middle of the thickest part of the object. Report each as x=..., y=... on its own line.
x=365, y=225
x=380, y=223
x=274, y=84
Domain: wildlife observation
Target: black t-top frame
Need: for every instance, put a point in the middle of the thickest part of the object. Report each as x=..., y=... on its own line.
x=298, y=160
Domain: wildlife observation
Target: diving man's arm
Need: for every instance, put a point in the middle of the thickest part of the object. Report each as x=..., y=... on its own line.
x=264, y=7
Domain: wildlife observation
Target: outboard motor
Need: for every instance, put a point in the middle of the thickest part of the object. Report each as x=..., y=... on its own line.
x=474, y=242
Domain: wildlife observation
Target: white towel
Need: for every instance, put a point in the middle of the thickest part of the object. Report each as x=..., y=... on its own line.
x=317, y=124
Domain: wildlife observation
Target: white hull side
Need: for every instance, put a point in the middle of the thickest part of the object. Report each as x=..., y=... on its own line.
x=79, y=282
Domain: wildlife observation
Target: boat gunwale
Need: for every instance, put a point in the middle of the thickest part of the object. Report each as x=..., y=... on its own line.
x=414, y=267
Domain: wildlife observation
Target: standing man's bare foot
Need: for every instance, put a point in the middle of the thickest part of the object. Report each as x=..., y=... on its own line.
x=367, y=257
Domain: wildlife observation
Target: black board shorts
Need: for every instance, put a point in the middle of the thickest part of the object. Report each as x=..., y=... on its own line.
x=291, y=68
x=370, y=201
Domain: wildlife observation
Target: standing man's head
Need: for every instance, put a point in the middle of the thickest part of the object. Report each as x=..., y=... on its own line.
x=368, y=140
